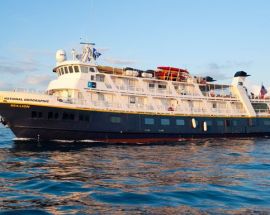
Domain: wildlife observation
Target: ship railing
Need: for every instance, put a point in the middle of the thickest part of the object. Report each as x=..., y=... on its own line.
x=25, y=90
x=102, y=104
x=228, y=111
x=129, y=88
x=220, y=97
x=119, y=106
x=136, y=89
x=163, y=92
x=257, y=100
x=71, y=100
x=160, y=108
x=186, y=93
x=108, y=86
x=213, y=94
x=262, y=111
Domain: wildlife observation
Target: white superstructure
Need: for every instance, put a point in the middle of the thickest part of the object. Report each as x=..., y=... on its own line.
x=82, y=83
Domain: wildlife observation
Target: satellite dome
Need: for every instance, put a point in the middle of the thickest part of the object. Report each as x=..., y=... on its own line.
x=60, y=55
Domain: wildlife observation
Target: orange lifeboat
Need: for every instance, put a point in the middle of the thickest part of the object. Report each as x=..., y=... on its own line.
x=171, y=73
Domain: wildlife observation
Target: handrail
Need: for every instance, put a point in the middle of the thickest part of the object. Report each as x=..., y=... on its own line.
x=150, y=108
x=25, y=90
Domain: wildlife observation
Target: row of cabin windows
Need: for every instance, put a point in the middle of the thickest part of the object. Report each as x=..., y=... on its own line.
x=98, y=78
x=160, y=86
x=226, y=122
x=55, y=115
x=182, y=122
x=147, y=121
x=74, y=69
x=151, y=121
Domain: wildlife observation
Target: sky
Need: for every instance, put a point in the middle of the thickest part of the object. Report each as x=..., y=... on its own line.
x=207, y=37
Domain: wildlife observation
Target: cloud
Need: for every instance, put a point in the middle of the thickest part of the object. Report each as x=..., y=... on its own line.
x=6, y=86
x=103, y=49
x=220, y=71
x=15, y=67
x=40, y=80
x=229, y=65
x=217, y=75
x=256, y=88
x=119, y=61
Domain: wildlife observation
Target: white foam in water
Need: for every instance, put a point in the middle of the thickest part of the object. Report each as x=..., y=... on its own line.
x=22, y=139
x=63, y=141
x=88, y=141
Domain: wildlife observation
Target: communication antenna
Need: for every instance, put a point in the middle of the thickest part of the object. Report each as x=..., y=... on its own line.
x=85, y=43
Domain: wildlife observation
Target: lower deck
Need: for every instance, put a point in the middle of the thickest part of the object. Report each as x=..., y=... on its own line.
x=48, y=123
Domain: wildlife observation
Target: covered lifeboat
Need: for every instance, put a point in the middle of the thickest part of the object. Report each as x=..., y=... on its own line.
x=171, y=73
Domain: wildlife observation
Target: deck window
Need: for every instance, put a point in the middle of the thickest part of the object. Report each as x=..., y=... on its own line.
x=132, y=100
x=162, y=86
x=149, y=121
x=165, y=122
x=234, y=122
x=81, y=117
x=100, y=78
x=76, y=68
x=220, y=123
x=50, y=115
x=56, y=115
x=70, y=69
x=180, y=122
x=84, y=69
x=115, y=119
x=68, y=116
x=71, y=116
x=86, y=118
x=66, y=70
x=151, y=85
x=65, y=116
x=34, y=114
x=251, y=122
x=266, y=122
x=227, y=122
x=91, y=69
x=209, y=122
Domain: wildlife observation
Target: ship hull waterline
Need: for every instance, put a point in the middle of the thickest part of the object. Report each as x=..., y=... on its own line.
x=45, y=123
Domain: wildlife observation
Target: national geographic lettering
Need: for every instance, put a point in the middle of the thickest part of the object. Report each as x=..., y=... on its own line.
x=26, y=100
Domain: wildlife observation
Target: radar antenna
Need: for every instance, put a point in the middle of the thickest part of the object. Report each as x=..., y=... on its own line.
x=87, y=52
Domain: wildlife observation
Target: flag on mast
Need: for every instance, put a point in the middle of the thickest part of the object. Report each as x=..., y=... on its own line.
x=96, y=54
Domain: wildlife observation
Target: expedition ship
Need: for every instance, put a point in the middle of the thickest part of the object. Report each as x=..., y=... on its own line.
x=88, y=101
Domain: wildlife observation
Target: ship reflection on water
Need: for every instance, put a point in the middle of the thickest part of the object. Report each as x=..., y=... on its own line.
x=195, y=177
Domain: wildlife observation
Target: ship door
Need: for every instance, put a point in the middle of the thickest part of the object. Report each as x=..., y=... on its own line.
x=190, y=105
x=80, y=97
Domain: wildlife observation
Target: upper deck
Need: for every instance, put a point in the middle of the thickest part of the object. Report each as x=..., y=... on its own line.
x=81, y=83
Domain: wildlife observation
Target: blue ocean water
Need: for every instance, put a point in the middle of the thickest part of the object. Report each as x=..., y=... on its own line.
x=207, y=176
